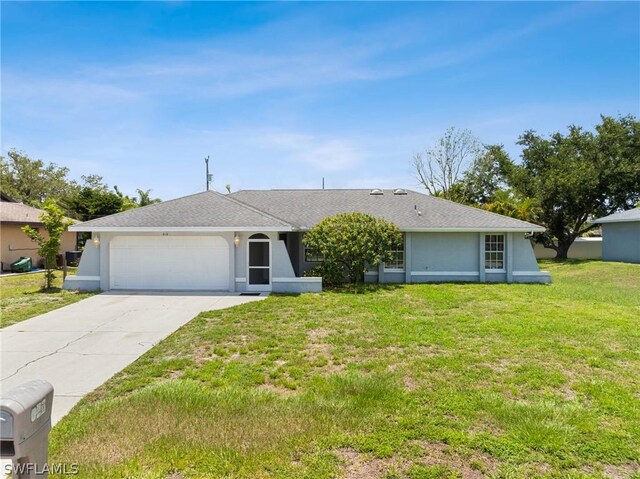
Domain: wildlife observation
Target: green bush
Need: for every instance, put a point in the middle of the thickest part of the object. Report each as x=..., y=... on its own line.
x=350, y=243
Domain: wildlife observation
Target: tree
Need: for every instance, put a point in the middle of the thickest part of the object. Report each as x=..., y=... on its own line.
x=127, y=202
x=506, y=202
x=351, y=242
x=55, y=224
x=578, y=176
x=484, y=178
x=144, y=198
x=90, y=203
x=439, y=168
x=31, y=181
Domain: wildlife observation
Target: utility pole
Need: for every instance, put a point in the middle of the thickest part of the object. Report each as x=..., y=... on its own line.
x=209, y=177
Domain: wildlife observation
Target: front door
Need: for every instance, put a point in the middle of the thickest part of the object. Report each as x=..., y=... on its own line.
x=259, y=265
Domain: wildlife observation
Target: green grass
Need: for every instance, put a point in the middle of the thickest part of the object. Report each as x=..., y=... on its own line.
x=413, y=381
x=22, y=297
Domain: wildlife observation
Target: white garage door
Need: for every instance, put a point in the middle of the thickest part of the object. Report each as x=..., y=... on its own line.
x=169, y=262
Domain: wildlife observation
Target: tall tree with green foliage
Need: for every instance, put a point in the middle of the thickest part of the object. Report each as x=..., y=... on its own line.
x=31, y=181
x=578, y=176
x=55, y=224
x=90, y=203
x=484, y=178
x=351, y=242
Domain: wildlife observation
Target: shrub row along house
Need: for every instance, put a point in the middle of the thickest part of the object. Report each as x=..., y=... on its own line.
x=251, y=240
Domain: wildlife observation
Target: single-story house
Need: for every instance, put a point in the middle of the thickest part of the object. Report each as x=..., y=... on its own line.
x=251, y=240
x=621, y=236
x=15, y=243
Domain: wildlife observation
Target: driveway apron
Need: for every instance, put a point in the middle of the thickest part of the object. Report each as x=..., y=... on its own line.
x=78, y=347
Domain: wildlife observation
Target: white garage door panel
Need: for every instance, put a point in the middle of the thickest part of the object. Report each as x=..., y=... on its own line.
x=169, y=262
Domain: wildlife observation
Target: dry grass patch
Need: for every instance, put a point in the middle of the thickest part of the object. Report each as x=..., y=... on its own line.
x=358, y=466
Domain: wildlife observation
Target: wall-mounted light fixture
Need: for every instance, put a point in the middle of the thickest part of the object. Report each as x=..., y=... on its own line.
x=96, y=240
x=236, y=240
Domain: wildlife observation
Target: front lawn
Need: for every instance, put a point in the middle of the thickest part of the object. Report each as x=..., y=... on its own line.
x=21, y=297
x=415, y=381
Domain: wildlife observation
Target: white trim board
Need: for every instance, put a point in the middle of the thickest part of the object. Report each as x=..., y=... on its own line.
x=531, y=273
x=472, y=230
x=83, y=278
x=445, y=273
x=301, y=279
x=178, y=229
x=241, y=280
x=281, y=229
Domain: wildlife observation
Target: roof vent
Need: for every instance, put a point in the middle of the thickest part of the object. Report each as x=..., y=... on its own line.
x=399, y=191
x=376, y=192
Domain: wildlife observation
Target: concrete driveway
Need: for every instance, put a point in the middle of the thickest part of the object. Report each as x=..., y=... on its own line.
x=80, y=346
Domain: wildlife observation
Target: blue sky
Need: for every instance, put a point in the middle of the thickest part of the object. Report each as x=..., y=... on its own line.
x=283, y=94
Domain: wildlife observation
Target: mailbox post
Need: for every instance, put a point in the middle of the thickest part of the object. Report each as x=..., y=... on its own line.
x=25, y=421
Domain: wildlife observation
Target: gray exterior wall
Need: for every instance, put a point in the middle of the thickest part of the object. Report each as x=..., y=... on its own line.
x=442, y=257
x=438, y=257
x=524, y=259
x=429, y=257
x=621, y=242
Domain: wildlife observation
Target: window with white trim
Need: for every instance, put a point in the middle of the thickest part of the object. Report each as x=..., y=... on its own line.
x=494, y=252
x=396, y=259
x=312, y=256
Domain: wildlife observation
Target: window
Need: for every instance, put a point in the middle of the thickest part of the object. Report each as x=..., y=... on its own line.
x=312, y=256
x=494, y=252
x=396, y=261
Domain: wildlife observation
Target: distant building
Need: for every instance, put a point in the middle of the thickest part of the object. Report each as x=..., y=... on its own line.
x=621, y=236
x=14, y=243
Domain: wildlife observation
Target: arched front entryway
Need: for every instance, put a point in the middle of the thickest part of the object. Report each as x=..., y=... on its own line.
x=259, y=263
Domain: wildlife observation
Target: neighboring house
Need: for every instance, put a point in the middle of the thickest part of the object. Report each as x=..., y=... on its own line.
x=252, y=241
x=14, y=242
x=621, y=236
x=582, y=248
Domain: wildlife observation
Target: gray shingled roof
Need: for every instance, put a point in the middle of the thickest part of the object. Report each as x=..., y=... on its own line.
x=621, y=217
x=207, y=210
x=413, y=211
x=292, y=209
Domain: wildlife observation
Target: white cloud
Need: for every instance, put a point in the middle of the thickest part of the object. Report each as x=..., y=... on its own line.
x=328, y=155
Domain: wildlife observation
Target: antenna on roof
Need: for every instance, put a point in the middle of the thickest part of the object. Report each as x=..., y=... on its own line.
x=323, y=182
x=209, y=177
